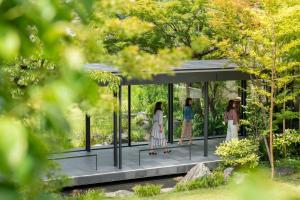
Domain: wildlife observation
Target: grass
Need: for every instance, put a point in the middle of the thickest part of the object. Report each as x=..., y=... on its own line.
x=282, y=188
x=205, y=194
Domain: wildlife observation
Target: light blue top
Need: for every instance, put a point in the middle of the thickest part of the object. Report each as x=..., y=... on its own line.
x=187, y=113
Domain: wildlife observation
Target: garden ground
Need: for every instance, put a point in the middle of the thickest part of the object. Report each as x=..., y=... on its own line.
x=286, y=187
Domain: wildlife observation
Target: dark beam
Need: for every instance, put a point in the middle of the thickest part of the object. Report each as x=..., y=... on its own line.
x=243, y=99
x=129, y=115
x=120, y=127
x=115, y=136
x=206, y=113
x=170, y=112
x=87, y=133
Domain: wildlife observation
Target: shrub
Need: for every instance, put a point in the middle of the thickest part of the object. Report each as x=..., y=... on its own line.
x=294, y=163
x=287, y=144
x=89, y=195
x=239, y=153
x=213, y=180
x=147, y=190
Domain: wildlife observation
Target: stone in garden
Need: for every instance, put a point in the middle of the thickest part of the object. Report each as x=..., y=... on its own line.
x=164, y=190
x=119, y=193
x=228, y=172
x=284, y=171
x=198, y=171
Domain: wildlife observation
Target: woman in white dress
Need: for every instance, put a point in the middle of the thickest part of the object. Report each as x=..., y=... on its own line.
x=157, y=137
x=231, y=118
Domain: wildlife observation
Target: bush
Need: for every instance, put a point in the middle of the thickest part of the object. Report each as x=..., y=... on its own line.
x=239, y=153
x=294, y=163
x=287, y=144
x=89, y=195
x=147, y=190
x=213, y=180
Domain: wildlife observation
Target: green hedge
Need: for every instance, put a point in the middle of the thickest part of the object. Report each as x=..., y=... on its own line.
x=239, y=153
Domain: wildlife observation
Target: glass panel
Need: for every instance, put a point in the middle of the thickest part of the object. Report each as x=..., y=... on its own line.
x=76, y=118
x=102, y=120
x=143, y=99
x=219, y=94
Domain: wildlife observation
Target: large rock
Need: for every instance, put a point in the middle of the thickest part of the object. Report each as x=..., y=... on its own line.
x=198, y=171
x=119, y=193
x=228, y=172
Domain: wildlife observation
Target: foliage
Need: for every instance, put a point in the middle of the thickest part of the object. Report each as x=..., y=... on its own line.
x=88, y=195
x=287, y=144
x=262, y=38
x=147, y=190
x=289, y=162
x=255, y=122
x=176, y=23
x=214, y=180
x=239, y=153
x=43, y=45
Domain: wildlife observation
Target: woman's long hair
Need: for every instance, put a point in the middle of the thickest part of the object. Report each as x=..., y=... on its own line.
x=187, y=101
x=157, y=106
x=230, y=105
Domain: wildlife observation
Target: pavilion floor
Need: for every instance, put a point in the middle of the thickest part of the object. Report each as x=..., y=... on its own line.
x=82, y=170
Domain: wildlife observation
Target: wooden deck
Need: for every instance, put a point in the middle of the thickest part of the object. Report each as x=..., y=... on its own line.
x=82, y=170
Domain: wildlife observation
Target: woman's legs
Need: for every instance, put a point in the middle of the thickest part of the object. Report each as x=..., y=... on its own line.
x=228, y=135
x=189, y=131
x=183, y=131
x=152, y=146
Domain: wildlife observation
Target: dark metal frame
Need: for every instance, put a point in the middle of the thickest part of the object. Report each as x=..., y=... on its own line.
x=170, y=112
x=120, y=127
x=244, y=102
x=129, y=115
x=115, y=129
x=87, y=133
x=206, y=113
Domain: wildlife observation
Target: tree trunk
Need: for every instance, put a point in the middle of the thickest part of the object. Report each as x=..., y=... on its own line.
x=283, y=123
x=271, y=123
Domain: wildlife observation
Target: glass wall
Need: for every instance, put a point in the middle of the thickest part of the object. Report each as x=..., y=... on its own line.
x=102, y=119
x=76, y=119
x=220, y=92
x=143, y=99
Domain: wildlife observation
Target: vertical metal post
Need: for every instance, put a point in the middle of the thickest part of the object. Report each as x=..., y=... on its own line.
x=115, y=138
x=129, y=115
x=206, y=113
x=170, y=112
x=243, y=99
x=120, y=127
x=87, y=133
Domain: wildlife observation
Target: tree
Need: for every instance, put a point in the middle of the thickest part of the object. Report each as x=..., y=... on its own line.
x=262, y=37
x=43, y=45
x=176, y=23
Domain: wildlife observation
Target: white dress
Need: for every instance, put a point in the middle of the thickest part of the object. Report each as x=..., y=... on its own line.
x=157, y=138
